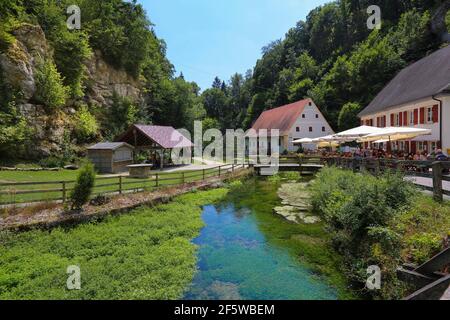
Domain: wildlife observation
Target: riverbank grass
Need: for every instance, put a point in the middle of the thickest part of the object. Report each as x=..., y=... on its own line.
x=147, y=254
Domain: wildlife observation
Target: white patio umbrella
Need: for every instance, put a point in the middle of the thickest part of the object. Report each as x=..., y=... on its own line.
x=358, y=132
x=304, y=140
x=395, y=134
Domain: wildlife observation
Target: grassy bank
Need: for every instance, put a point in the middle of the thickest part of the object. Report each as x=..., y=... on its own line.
x=12, y=194
x=146, y=254
x=383, y=221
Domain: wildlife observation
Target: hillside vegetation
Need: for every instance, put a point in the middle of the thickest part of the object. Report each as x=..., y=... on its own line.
x=61, y=89
x=333, y=58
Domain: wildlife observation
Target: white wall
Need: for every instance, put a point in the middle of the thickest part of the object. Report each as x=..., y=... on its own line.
x=446, y=125
x=310, y=120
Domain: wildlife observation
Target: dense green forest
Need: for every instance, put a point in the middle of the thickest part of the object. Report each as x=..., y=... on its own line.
x=331, y=57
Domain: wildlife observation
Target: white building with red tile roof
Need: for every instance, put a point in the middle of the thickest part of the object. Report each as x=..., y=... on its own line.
x=302, y=119
x=419, y=96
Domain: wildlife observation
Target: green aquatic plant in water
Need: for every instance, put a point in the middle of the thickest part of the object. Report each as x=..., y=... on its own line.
x=146, y=254
x=247, y=252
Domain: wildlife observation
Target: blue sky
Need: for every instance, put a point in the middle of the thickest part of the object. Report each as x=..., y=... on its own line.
x=206, y=38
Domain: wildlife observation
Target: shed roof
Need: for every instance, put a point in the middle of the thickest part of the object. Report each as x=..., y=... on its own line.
x=423, y=79
x=165, y=136
x=109, y=146
x=281, y=118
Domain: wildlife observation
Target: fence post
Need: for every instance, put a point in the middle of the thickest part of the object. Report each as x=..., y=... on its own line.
x=437, y=181
x=64, y=191
x=120, y=184
x=219, y=170
x=377, y=167
x=182, y=178
x=157, y=180
x=354, y=164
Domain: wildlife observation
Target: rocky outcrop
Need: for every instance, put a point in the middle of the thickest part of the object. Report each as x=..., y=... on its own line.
x=104, y=80
x=19, y=64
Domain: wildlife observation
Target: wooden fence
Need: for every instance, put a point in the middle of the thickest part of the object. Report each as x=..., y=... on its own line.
x=30, y=192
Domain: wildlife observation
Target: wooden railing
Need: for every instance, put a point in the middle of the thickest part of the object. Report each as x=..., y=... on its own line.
x=30, y=192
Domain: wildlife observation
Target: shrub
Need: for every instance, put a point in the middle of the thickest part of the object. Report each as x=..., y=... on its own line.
x=86, y=127
x=359, y=210
x=51, y=162
x=83, y=186
x=50, y=90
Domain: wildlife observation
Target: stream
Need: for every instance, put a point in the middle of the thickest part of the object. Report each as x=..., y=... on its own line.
x=242, y=252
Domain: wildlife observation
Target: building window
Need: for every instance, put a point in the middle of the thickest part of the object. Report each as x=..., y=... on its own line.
x=297, y=129
x=433, y=146
x=411, y=118
x=310, y=129
x=397, y=120
x=317, y=116
x=430, y=115
x=303, y=116
x=323, y=129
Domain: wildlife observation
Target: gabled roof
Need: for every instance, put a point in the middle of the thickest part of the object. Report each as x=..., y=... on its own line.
x=423, y=79
x=282, y=118
x=109, y=146
x=166, y=137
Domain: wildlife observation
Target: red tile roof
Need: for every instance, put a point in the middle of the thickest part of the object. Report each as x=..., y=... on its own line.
x=282, y=118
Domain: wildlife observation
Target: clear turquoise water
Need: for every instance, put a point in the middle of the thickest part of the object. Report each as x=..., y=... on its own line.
x=237, y=261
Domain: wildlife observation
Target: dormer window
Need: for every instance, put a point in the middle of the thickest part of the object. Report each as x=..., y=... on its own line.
x=297, y=129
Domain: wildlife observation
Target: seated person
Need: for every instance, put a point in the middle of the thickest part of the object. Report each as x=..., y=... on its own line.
x=440, y=156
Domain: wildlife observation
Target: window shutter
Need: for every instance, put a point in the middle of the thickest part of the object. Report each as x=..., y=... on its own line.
x=416, y=116
x=392, y=119
x=422, y=115
x=435, y=113
x=384, y=121
x=405, y=118
x=400, y=119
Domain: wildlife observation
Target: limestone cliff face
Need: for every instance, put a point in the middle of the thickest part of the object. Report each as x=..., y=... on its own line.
x=104, y=80
x=19, y=66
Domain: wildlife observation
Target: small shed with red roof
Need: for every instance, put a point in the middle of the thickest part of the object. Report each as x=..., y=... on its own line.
x=158, y=140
